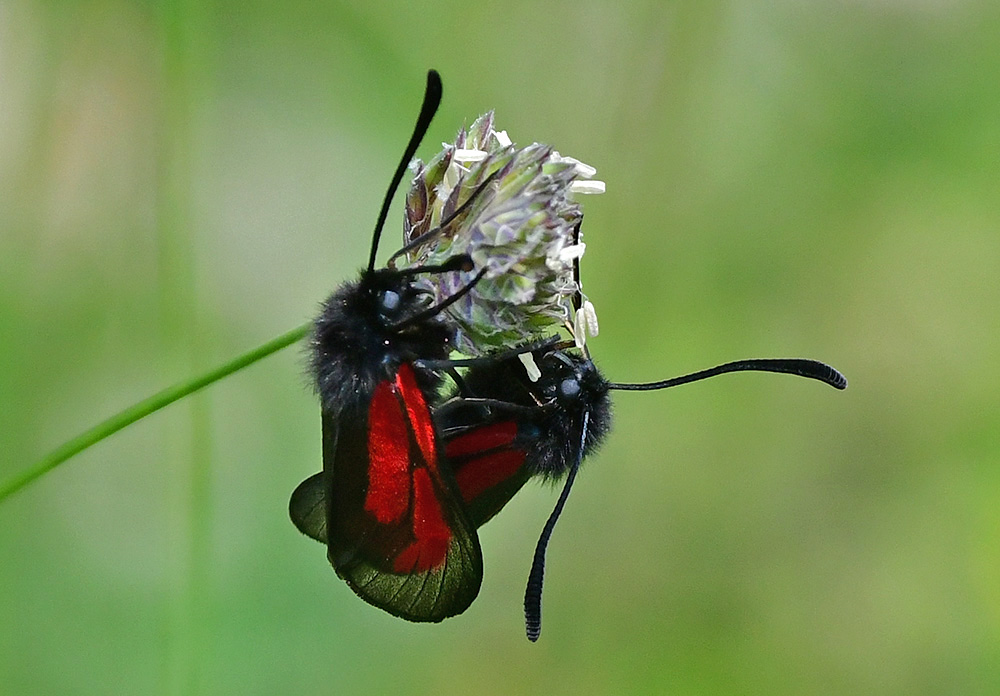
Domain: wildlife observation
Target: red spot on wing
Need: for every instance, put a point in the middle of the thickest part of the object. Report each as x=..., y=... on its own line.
x=482, y=473
x=402, y=469
x=482, y=439
x=431, y=533
x=420, y=415
x=388, y=496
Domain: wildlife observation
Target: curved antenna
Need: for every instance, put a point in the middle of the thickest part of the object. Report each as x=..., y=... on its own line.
x=432, y=99
x=812, y=369
x=578, y=295
x=434, y=310
x=461, y=262
x=430, y=234
x=533, y=592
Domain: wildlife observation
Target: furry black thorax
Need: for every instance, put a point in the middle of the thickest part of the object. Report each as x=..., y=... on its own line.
x=360, y=338
x=570, y=385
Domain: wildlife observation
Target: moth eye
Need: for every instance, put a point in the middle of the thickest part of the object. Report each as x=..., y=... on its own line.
x=569, y=387
x=389, y=300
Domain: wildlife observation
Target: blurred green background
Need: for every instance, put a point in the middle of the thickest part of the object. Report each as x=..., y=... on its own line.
x=180, y=182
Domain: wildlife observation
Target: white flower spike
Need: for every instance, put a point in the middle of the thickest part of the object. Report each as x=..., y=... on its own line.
x=518, y=221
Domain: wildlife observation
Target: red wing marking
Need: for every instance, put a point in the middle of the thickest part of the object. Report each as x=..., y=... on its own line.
x=420, y=415
x=388, y=495
x=402, y=469
x=431, y=533
x=482, y=473
x=482, y=439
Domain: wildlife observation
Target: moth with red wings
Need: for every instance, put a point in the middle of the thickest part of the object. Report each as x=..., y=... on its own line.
x=505, y=428
x=387, y=510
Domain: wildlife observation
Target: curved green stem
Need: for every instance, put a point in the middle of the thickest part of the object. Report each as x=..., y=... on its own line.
x=143, y=408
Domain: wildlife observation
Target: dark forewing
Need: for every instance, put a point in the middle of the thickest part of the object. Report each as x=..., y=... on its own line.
x=396, y=528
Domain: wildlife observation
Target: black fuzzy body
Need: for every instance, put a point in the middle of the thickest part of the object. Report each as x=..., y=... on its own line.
x=559, y=447
x=356, y=341
x=551, y=431
x=371, y=334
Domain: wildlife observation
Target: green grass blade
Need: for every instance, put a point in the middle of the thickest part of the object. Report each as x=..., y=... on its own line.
x=144, y=408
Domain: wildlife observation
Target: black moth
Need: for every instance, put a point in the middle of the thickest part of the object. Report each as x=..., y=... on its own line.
x=387, y=511
x=502, y=429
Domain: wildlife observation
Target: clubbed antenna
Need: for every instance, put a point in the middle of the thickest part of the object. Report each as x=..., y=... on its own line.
x=432, y=99
x=812, y=369
x=533, y=592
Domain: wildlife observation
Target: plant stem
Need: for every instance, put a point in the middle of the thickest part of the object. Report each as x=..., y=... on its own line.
x=144, y=408
x=186, y=80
